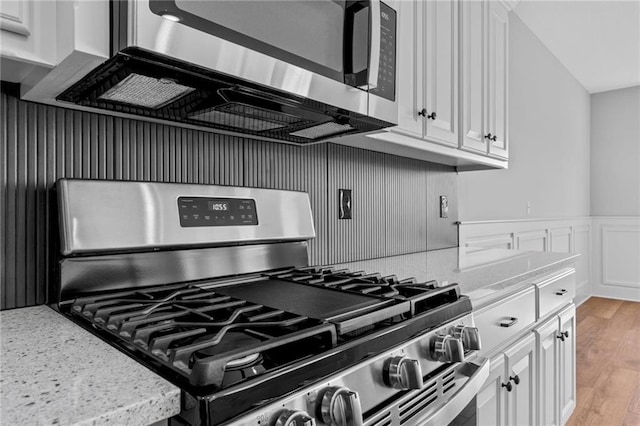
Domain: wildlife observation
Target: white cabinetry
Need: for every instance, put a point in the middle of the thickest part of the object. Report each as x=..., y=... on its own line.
x=530, y=339
x=441, y=72
x=484, y=29
x=556, y=358
x=452, y=85
x=508, y=397
x=472, y=76
x=497, y=78
x=27, y=34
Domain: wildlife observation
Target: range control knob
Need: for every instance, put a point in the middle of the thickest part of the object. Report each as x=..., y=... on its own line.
x=294, y=418
x=447, y=349
x=402, y=373
x=340, y=406
x=469, y=335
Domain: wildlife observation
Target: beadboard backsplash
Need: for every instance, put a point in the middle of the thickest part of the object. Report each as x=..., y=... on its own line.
x=395, y=200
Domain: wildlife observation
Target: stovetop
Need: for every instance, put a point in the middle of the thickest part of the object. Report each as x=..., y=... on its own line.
x=219, y=333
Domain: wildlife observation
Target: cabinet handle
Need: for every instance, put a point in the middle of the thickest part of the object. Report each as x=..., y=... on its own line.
x=563, y=335
x=423, y=112
x=488, y=136
x=561, y=292
x=516, y=379
x=508, y=385
x=494, y=138
x=512, y=321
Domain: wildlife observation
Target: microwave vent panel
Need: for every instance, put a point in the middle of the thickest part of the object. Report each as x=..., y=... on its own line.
x=323, y=130
x=141, y=90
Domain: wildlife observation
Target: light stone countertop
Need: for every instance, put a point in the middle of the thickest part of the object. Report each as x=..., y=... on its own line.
x=54, y=372
x=483, y=274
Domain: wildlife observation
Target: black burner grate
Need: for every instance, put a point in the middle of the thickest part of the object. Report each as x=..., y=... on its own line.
x=198, y=332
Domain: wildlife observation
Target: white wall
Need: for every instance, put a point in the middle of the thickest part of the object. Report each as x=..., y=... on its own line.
x=549, y=134
x=615, y=153
x=615, y=193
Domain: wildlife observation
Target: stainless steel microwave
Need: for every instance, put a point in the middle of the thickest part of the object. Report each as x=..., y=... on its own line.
x=300, y=71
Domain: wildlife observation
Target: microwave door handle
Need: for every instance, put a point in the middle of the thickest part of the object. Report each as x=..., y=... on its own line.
x=375, y=31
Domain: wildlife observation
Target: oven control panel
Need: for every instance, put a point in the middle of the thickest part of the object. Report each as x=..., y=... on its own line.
x=205, y=211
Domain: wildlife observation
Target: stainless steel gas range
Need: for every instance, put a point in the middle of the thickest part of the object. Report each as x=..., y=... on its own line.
x=210, y=287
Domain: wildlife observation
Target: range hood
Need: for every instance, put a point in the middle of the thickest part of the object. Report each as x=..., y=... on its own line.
x=140, y=64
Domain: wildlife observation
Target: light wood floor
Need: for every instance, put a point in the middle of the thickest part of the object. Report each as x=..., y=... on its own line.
x=608, y=363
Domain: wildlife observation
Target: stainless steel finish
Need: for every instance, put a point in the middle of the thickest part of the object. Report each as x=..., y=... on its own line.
x=294, y=418
x=152, y=32
x=135, y=270
x=341, y=407
x=469, y=335
x=374, y=45
x=112, y=215
x=367, y=379
x=476, y=374
x=403, y=373
x=447, y=349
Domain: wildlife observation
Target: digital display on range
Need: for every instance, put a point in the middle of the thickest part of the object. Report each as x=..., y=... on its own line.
x=217, y=206
x=204, y=211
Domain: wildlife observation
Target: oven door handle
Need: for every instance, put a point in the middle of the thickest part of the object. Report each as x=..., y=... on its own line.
x=478, y=372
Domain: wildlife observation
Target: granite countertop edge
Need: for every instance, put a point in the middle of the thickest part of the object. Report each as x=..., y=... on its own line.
x=55, y=372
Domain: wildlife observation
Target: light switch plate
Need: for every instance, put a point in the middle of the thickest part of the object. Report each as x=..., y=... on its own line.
x=444, y=206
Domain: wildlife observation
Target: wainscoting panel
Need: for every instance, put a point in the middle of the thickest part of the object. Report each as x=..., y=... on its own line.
x=560, y=240
x=557, y=235
x=532, y=240
x=617, y=257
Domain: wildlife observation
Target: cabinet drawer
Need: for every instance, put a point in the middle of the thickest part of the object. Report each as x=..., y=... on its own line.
x=499, y=322
x=555, y=291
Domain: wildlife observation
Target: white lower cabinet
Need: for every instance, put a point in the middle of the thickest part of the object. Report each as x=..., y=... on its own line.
x=567, y=363
x=533, y=356
x=557, y=367
x=508, y=397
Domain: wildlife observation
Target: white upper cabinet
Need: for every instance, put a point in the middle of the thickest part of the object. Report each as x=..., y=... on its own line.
x=28, y=37
x=409, y=68
x=472, y=77
x=452, y=84
x=497, y=84
x=441, y=72
x=484, y=78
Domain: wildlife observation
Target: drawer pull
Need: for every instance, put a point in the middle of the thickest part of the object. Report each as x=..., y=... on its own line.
x=563, y=335
x=512, y=321
x=561, y=292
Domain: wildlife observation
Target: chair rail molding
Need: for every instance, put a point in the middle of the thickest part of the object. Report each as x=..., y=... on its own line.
x=562, y=235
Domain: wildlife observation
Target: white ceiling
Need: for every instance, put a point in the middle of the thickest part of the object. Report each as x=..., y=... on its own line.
x=598, y=41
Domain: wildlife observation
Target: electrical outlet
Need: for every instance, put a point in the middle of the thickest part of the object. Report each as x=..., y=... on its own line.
x=444, y=206
x=344, y=204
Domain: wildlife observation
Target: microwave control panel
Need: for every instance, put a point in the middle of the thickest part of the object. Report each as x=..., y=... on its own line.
x=203, y=211
x=387, y=67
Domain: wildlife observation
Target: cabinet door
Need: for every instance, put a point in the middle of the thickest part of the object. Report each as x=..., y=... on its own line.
x=491, y=400
x=441, y=71
x=549, y=381
x=472, y=75
x=521, y=370
x=567, y=359
x=410, y=60
x=497, y=81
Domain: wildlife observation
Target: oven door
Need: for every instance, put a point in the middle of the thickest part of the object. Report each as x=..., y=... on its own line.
x=334, y=52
